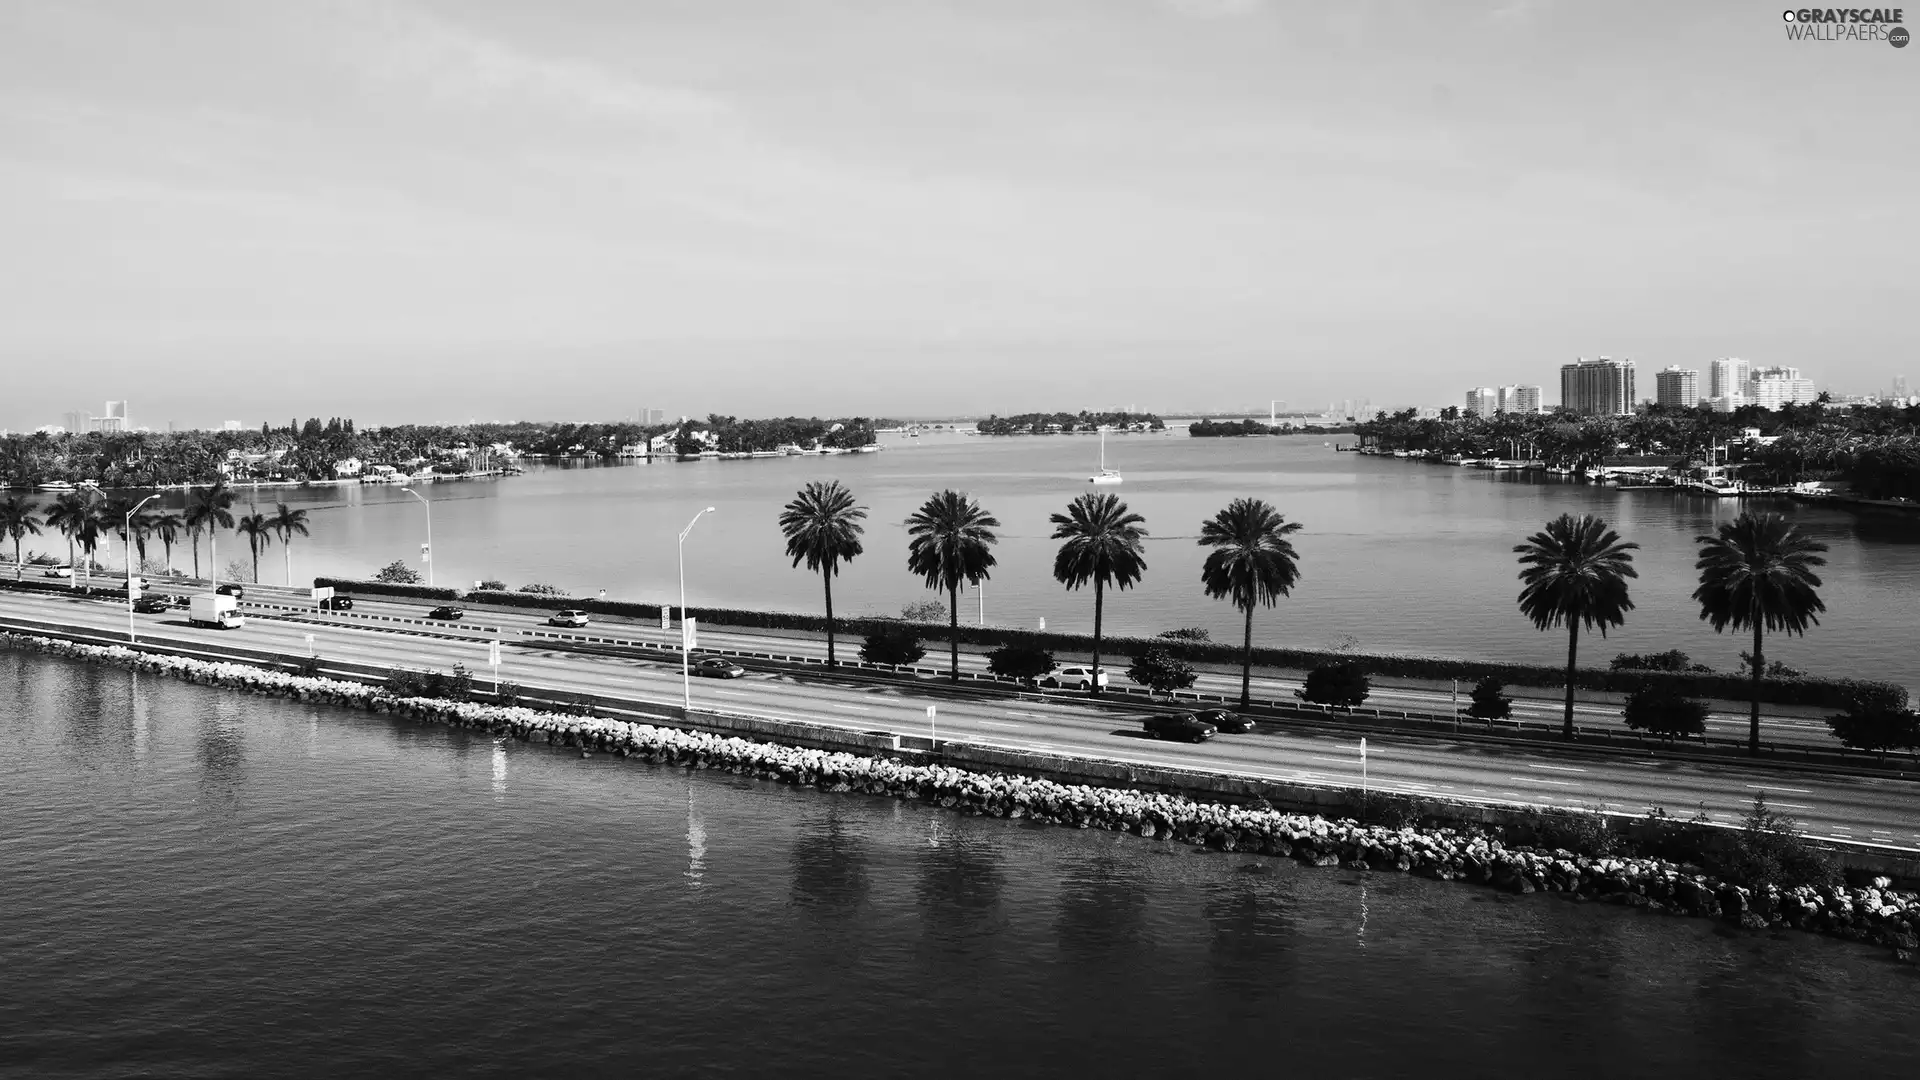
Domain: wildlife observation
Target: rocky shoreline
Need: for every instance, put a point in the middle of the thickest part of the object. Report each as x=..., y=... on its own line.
x=1872, y=913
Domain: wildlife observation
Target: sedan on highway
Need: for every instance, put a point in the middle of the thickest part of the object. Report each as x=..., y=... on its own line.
x=230, y=589
x=57, y=571
x=1077, y=678
x=568, y=617
x=445, y=611
x=1184, y=726
x=717, y=667
x=153, y=605
x=1226, y=720
x=337, y=603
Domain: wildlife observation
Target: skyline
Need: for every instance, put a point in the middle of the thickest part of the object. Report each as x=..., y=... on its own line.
x=417, y=212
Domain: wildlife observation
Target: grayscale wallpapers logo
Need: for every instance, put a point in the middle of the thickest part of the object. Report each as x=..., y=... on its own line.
x=1847, y=24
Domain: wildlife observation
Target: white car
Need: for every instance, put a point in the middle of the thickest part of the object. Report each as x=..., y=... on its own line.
x=57, y=571
x=1077, y=678
x=568, y=617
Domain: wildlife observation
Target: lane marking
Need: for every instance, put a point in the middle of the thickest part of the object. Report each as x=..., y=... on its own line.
x=1793, y=805
x=1790, y=790
x=843, y=705
x=1542, y=780
x=997, y=723
x=1557, y=768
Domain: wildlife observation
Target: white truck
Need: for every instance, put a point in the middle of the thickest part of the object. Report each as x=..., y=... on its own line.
x=219, y=612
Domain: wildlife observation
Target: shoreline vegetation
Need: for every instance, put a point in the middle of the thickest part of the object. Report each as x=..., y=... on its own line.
x=1760, y=877
x=1872, y=451
x=1063, y=423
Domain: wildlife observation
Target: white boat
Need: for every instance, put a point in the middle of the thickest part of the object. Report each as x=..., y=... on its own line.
x=1105, y=475
x=56, y=485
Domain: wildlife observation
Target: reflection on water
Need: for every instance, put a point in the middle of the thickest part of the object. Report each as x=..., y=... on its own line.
x=1102, y=909
x=696, y=843
x=499, y=767
x=829, y=867
x=220, y=746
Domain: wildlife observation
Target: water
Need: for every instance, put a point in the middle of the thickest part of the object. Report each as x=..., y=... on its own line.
x=208, y=884
x=1400, y=556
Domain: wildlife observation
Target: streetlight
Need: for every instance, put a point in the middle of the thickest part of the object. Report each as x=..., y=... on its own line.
x=686, y=669
x=429, y=551
x=131, y=639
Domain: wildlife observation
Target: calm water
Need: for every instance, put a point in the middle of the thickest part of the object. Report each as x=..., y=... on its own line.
x=1403, y=557
x=207, y=884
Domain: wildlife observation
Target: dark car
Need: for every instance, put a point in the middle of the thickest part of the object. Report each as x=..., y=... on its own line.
x=152, y=605
x=445, y=612
x=230, y=589
x=1185, y=726
x=337, y=603
x=1226, y=720
x=717, y=667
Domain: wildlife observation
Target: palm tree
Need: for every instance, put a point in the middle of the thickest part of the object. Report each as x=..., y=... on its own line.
x=258, y=529
x=952, y=538
x=1251, y=563
x=165, y=526
x=287, y=524
x=1758, y=572
x=1102, y=546
x=822, y=527
x=69, y=513
x=207, y=508
x=113, y=514
x=1576, y=572
x=88, y=533
x=17, y=522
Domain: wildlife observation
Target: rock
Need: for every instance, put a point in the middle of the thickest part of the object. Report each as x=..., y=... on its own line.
x=1750, y=920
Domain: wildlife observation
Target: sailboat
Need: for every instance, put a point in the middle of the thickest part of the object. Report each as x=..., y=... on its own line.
x=1105, y=475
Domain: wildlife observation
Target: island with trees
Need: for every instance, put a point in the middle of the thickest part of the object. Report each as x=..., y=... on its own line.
x=1063, y=423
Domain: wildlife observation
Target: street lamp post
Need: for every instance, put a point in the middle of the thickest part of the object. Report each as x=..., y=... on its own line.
x=429, y=506
x=131, y=639
x=686, y=669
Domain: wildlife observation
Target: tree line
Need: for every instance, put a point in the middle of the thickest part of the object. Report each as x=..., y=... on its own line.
x=1037, y=423
x=89, y=519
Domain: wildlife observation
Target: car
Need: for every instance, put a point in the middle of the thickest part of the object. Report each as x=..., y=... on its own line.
x=1075, y=677
x=153, y=605
x=231, y=589
x=1226, y=720
x=445, y=611
x=337, y=603
x=568, y=617
x=57, y=571
x=1184, y=726
x=717, y=667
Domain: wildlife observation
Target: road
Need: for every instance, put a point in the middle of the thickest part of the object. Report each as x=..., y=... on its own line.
x=1875, y=810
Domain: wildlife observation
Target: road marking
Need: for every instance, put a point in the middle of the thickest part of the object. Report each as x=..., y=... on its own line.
x=1790, y=790
x=733, y=693
x=1881, y=832
x=1334, y=760
x=1541, y=780
x=840, y=705
x=1478, y=790
x=1557, y=768
x=1793, y=805
x=996, y=723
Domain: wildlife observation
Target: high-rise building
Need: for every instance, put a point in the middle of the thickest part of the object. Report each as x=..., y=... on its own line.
x=1900, y=386
x=1772, y=387
x=1518, y=399
x=1602, y=387
x=75, y=422
x=112, y=418
x=1677, y=387
x=1481, y=401
x=1727, y=378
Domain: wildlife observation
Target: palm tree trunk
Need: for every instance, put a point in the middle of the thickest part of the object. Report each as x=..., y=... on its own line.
x=194, y=539
x=1093, y=680
x=1246, y=664
x=953, y=617
x=168, y=545
x=73, y=579
x=16, y=559
x=1759, y=669
x=827, y=579
x=1573, y=649
x=286, y=556
x=251, y=546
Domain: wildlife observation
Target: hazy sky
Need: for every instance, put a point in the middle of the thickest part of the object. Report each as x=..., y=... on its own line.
x=576, y=208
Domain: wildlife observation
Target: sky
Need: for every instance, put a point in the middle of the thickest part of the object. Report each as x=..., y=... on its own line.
x=417, y=211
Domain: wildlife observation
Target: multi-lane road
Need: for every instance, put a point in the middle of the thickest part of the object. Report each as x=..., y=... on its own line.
x=1876, y=810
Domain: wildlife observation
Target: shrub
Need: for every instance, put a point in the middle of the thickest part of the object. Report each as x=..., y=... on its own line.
x=1873, y=722
x=1187, y=633
x=398, y=572
x=1769, y=851
x=1336, y=684
x=1161, y=671
x=1490, y=700
x=1024, y=659
x=378, y=588
x=1665, y=712
x=893, y=645
x=459, y=684
x=1671, y=660
x=308, y=666
x=540, y=589
x=924, y=611
x=404, y=683
x=1775, y=670
x=507, y=694
x=41, y=558
x=493, y=584
x=1583, y=832
x=240, y=570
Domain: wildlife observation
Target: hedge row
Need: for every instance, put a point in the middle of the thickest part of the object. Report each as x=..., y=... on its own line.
x=1826, y=693
x=386, y=588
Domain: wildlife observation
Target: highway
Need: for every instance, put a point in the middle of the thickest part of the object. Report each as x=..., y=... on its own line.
x=1875, y=810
